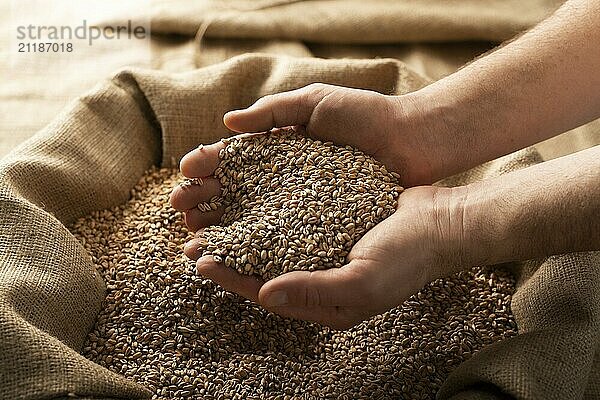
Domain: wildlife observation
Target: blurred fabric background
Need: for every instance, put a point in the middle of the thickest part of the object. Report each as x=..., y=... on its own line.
x=433, y=38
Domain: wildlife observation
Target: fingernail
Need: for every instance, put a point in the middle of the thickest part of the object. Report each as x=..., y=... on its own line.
x=277, y=299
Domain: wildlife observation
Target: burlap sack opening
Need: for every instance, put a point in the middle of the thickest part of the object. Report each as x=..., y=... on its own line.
x=96, y=150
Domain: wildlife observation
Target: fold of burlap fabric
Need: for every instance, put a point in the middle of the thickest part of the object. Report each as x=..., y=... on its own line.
x=50, y=292
x=556, y=306
x=400, y=29
x=352, y=21
x=93, y=153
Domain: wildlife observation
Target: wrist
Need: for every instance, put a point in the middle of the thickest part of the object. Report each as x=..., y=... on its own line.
x=513, y=217
x=437, y=129
x=467, y=227
x=545, y=209
x=408, y=140
x=464, y=122
x=483, y=232
x=440, y=216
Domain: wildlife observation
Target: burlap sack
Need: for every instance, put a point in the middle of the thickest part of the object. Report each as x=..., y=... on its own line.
x=95, y=151
x=352, y=21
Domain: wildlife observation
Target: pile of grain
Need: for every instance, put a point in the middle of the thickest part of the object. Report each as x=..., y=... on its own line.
x=294, y=203
x=185, y=337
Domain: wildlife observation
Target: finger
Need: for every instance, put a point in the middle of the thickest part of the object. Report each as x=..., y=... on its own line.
x=187, y=197
x=202, y=161
x=196, y=219
x=278, y=110
x=228, y=278
x=193, y=248
x=344, y=286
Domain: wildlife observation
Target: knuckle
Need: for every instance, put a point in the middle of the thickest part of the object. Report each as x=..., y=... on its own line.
x=312, y=297
x=318, y=88
x=265, y=100
x=316, y=85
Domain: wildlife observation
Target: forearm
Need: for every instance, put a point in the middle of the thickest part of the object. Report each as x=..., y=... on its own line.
x=550, y=208
x=539, y=85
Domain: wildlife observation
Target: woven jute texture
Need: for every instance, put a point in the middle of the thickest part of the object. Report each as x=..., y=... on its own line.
x=351, y=21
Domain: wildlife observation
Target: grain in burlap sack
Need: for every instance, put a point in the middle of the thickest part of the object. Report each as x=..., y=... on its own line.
x=182, y=336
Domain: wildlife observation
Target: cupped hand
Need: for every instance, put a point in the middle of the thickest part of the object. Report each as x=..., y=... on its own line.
x=392, y=261
x=389, y=128
x=199, y=164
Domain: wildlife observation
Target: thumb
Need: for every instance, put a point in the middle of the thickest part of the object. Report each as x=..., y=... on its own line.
x=337, y=297
x=336, y=287
x=278, y=110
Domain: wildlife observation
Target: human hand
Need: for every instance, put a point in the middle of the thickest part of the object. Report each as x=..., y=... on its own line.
x=328, y=113
x=389, y=128
x=391, y=262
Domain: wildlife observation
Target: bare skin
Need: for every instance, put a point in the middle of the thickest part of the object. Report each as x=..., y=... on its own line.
x=538, y=86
